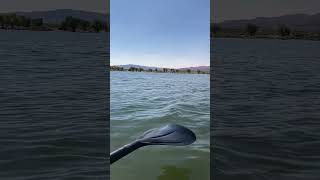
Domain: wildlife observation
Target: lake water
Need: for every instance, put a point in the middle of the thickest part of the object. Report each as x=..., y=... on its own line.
x=53, y=119
x=266, y=109
x=141, y=101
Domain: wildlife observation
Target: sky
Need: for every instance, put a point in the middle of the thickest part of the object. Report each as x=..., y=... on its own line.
x=161, y=33
x=247, y=9
x=42, y=5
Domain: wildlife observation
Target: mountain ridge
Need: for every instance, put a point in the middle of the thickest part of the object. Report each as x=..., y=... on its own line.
x=58, y=15
x=194, y=68
x=298, y=22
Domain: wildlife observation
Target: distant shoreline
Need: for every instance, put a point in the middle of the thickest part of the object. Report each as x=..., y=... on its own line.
x=285, y=27
x=50, y=30
x=158, y=70
x=271, y=36
x=14, y=22
x=161, y=72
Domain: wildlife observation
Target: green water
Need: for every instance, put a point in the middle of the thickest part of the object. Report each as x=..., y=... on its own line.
x=141, y=101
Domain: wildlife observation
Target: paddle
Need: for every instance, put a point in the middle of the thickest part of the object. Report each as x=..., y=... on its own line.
x=171, y=134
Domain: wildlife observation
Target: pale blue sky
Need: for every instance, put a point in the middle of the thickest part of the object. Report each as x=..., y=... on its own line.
x=163, y=33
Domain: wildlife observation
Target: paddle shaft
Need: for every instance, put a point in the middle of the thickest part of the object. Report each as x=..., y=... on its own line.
x=125, y=150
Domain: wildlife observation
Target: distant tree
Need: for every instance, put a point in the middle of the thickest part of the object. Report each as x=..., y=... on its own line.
x=37, y=22
x=63, y=26
x=97, y=25
x=214, y=28
x=24, y=21
x=198, y=71
x=165, y=70
x=156, y=70
x=84, y=25
x=317, y=35
x=251, y=29
x=283, y=30
x=189, y=70
x=106, y=27
x=2, y=22
x=13, y=20
x=116, y=68
x=74, y=23
x=133, y=69
x=70, y=23
x=6, y=21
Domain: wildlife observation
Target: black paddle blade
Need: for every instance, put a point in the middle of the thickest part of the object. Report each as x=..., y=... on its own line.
x=171, y=134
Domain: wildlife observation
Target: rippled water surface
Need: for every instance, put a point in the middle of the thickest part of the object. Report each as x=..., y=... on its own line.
x=53, y=119
x=266, y=109
x=141, y=101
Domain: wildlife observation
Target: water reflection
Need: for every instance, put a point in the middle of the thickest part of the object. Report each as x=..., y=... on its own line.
x=174, y=173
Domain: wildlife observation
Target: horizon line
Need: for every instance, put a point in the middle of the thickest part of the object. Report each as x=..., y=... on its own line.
x=252, y=18
x=31, y=11
x=160, y=66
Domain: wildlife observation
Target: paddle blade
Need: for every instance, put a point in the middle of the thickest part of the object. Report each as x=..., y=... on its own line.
x=171, y=134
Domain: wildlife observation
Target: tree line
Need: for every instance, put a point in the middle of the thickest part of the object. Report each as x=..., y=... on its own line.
x=160, y=70
x=251, y=30
x=73, y=24
x=13, y=21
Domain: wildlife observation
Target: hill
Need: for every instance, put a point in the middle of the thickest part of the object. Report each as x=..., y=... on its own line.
x=127, y=66
x=201, y=68
x=57, y=16
x=296, y=22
